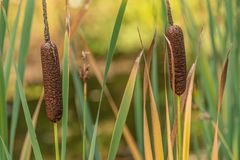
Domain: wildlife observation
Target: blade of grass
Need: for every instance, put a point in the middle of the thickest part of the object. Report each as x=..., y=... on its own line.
x=25, y=38
x=65, y=84
x=156, y=125
x=3, y=24
x=127, y=135
x=146, y=135
x=164, y=13
x=123, y=110
x=154, y=78
x=4, y=147
x=110, y=53
x=138, y=113
x=27, y=115
x=224, y=142
x=3, y=111
x=220, y=97
x=235, y=144
x=188, y=112
x=5, y=17
x=26, y=148
x=169, y=142
x=8, y=61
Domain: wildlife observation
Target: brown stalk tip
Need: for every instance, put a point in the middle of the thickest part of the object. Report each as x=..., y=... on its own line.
x=175, y=36
x=84, y=67
x=51, y=81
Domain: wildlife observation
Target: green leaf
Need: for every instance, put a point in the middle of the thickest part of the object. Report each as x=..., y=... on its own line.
x=3, y=23
x=110, y=53
x=27, y=115
x=65, y=85
x=25, y=38
x=188, y=113
x=3, y=111
x=123, y=111
x=138, y=113
x=8, y=61
x=3, y=147
x=26, y=147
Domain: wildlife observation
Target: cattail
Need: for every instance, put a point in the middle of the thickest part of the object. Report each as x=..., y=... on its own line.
x=174, y=34
x=51, y=74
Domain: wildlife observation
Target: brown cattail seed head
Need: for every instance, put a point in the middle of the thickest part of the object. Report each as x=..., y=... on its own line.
x=175, y=36
x=51, y=81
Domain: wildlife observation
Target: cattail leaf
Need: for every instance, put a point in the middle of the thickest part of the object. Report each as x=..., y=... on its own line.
x=123, y=110
x=156, y=125
x=3, y=147
x=138, y=112
x=65, y=84
x=127, y=134
x=3, y=22
x=164, y=13
x=222, y=83
x=27, y=115
x=155, y=78
x=3, y=110
x=169, y=142
x=3, y=13
x=26, y=148
x=188, y=112
x=172, y=64
x=146, y=135
x=220, y=97
x=110, y=53
x=235, y=144
x=9, y=56
x=23, y=50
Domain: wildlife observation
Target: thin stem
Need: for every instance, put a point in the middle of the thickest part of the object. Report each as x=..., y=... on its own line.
x=45, y=19
x=169, y=12
x=56, y=140
x=179, y=127
x=84, y=119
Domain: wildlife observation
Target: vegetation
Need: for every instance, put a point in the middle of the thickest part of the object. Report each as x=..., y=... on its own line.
x=187, y=113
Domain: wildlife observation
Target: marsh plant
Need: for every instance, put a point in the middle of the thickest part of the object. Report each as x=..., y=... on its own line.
x=198, y=63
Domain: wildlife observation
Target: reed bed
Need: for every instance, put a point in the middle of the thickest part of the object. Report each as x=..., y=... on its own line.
x=183, y=88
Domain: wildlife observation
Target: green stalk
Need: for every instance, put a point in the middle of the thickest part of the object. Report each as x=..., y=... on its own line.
x=84, y=119
x=179, y=127
x=56, y=140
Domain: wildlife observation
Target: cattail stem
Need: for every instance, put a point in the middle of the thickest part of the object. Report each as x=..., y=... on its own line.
x=169, y=12
x=84, y=119
x=56, y=140
x=179, y=128
x=45, y=19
